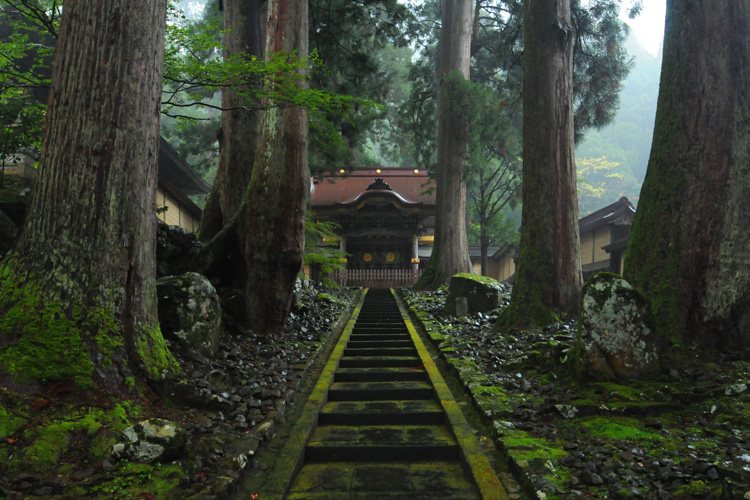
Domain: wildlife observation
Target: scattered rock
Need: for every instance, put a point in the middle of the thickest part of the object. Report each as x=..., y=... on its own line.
x=617, y=338
x=151, y=441
x=735, y=389
x=482, y=293
x=189, y=312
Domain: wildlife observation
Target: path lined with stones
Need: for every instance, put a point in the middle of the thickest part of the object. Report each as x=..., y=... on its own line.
x=386, y=426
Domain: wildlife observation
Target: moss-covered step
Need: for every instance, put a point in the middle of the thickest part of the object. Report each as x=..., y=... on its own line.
x=419, y=480
x=375, y=361
x=379, y=374
x=421, y=412
x=380, y=391
x=381, y=443
x=380, y=351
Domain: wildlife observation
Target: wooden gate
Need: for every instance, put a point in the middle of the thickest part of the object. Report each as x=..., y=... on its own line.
x=376, y=278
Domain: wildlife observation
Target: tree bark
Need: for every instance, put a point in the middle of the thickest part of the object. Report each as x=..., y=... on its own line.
x=690, y=244
x=240, y=121
x=272, y=219
x=548, y=277
x=78, y=297
x=450, y=254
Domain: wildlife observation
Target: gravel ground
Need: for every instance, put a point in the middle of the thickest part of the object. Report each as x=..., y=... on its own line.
x=685, y=435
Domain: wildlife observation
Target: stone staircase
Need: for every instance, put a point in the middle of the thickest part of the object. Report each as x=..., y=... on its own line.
x=384, y=429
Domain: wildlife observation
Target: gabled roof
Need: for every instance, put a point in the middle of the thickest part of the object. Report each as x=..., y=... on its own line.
x=476, y=251
x=175, y=171
x=620, y=212
x=407, y=187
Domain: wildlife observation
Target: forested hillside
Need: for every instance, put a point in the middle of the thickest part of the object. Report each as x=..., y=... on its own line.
x=612, y=161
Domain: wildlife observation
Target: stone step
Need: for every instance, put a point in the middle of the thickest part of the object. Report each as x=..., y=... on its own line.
x=364, y=337
x=379, y=374
x=426, y=412
x=380, y=331
x=360, y=344
x=382, y=481
x=381, y=351
x=381, y=361
x=336, y=443
x=380, y=391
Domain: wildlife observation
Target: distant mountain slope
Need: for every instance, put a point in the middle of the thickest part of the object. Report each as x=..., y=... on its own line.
x=627, y=141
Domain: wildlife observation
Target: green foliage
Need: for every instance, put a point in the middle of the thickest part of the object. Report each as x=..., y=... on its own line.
x=194, y=72
x=24, y=73
x=321, y=245
x=356, y=41
x=601, y=182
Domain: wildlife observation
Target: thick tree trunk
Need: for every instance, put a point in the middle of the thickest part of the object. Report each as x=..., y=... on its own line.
x=690, y=244
x=273, y=215
x=77, y=293
x=239, y=123
x=548, y=278
x=450, y=254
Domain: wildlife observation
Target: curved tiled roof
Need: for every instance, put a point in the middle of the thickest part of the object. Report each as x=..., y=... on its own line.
x=406, y=186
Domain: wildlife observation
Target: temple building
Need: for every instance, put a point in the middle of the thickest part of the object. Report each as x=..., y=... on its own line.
x=387, y=222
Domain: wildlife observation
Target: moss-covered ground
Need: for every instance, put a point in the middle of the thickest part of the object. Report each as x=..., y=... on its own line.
x=683, y=435
x=56, y=435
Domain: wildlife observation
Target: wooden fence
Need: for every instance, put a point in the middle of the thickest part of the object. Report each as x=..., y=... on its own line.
x=376, y=278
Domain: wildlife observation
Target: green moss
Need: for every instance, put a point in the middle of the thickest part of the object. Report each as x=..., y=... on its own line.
x=9, y=423
x=526, y=449
x=530, y=304
x=695, y=488
x=89, y=431
x=45, y=342
x=155, y=354
x=618, y=428
x=140, y=481
x=327, y=297
x=48, y=445
x=485, y=280
x=653, y=262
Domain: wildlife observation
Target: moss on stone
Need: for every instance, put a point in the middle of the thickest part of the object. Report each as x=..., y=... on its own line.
x=626, y=429
x=327, y=297
x=84, y=431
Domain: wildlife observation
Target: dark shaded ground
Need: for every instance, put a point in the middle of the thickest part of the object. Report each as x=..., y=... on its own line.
x=54, y=446
x=685, y=435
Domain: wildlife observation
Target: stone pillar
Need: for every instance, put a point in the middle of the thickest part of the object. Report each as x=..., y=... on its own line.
x=342, y=248
x=415, y=253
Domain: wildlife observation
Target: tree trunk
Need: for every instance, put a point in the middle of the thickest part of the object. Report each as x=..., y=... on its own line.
x=239, y=123
x=77, y=292
x=484, y=242
x=450, y=253
x=272, y=223
x=690, y=244
x=548, y=278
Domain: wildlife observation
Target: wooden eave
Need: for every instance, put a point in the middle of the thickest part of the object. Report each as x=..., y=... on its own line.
x=620, y=212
